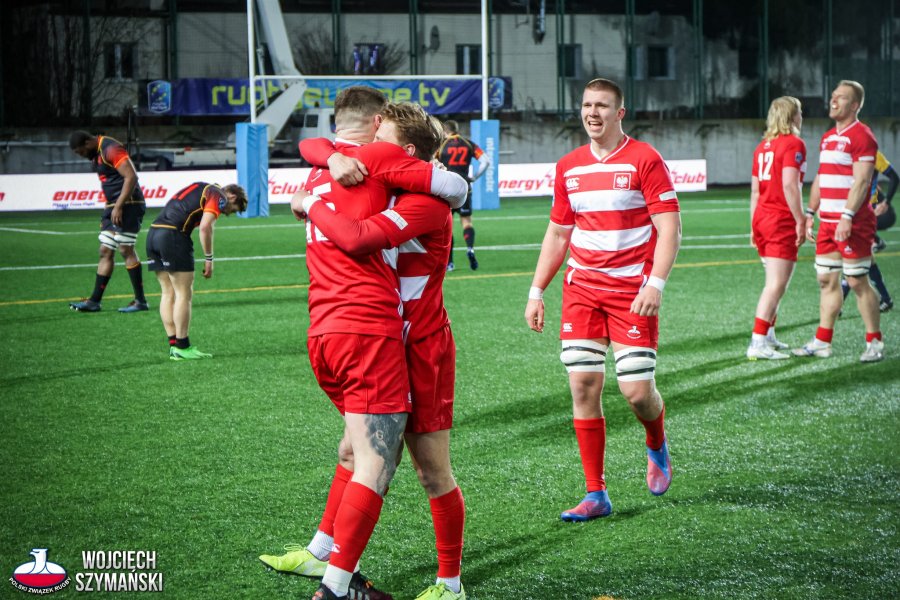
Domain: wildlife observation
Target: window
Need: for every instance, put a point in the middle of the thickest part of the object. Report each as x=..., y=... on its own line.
x=468, y=59
x=368, y=59
x=571, y=61
x=119, y=61
x=659, y=62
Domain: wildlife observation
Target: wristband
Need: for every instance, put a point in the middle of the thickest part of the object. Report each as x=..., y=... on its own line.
x=535, y=293
x=208, y=258
x=810, y=213
x=657, y=282
x=309, y=201
x=848, y=214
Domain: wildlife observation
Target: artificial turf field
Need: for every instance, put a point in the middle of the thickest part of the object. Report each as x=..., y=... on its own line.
x=785, y=473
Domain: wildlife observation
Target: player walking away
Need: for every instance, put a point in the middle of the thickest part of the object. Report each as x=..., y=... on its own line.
x=355, y=344
x=885, y=219
x=776, y=214
x=121, y=219
x=840, y=194
x=457, y=153
x=420, y=227
x=615, y=210
x=170, y=254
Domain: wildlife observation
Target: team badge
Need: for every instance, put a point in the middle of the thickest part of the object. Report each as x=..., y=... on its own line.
x=798, y=157
x=633, y=333
x=572, y=183
x=159, y=96
x=622, y=181
x=39, y=576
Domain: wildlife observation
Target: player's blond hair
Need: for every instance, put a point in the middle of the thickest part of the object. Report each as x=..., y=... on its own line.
x=781, y=117
x=415, y=126
x=607, y=85
x=859, y=92
x=356, y=106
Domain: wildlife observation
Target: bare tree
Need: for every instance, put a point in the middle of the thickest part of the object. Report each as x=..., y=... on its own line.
x=59, y=68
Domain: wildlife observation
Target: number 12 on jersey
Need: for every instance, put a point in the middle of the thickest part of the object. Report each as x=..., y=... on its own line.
x=764, y=173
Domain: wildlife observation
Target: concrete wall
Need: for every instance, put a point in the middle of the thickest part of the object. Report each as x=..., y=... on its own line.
x=727, y=145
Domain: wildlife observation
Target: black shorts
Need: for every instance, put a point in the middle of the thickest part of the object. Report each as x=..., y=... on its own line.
x=887, y=220
x=466, y=209
x=169, y=250
x=132, y=217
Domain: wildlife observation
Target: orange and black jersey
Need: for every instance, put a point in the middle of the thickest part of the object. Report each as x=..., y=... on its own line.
x=110, y=155
x=185, y=210
x=457, y=153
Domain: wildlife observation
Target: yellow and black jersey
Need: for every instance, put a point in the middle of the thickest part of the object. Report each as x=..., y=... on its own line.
x=185, y=210
x=883, y=167
x=111, y=154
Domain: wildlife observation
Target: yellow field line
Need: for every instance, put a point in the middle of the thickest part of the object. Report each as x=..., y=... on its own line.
x=297, y=286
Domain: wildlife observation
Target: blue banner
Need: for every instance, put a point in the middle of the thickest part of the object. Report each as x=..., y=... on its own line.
x=199, y=96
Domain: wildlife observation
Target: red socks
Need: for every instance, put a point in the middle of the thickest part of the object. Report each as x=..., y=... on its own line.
x=876, y=335
x=448, y=513
x=656, y=431
x=824, y=335
x=338, y=484
x=353, y=525
x=591, y=436
x=761, y=327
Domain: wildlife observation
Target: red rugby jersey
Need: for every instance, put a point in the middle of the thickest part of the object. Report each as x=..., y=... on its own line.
x=420, y=227
x=608, y=202
x=769, y=159
x=359, y=294
x=838, y=151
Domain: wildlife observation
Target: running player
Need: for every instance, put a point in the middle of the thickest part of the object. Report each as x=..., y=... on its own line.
x=170, y=254
x=457, y=153
x=840, y=193
x=420, y=227
x=121, y=219
x=776, y=214
x=616, y=211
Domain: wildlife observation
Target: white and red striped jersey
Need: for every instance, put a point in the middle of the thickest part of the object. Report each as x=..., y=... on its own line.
x=422, y=260
x=838, y=151
x=608, y=201
x=358, y=294
x=769, y=161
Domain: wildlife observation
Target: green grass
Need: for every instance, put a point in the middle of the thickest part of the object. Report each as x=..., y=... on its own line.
x=785, y=476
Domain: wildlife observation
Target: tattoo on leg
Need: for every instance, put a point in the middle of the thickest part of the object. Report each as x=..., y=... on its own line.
x=385, y=434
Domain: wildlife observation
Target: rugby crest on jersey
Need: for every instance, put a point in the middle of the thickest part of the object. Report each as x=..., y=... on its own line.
x=572, y=183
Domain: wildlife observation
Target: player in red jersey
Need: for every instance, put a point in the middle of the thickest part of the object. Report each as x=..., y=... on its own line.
x=420, y=227
x=355, y=342
x=840, y=193
x=121, y=219
x=615, y=210
x=776, y=214
x=457, y=153
x=170, y=254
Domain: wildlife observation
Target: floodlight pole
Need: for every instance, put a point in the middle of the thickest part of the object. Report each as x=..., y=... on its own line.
x=484, y=60
x=251, y=62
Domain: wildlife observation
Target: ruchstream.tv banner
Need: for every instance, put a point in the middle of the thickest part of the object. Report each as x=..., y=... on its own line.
x=82, y=190
x=203, y=96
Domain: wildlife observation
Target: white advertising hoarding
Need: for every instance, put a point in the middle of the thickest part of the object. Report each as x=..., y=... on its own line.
x=82, y=190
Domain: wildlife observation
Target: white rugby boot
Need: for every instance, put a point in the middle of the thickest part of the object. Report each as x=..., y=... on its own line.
x=874, y=352
x=814, y=347
x=764, y=351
